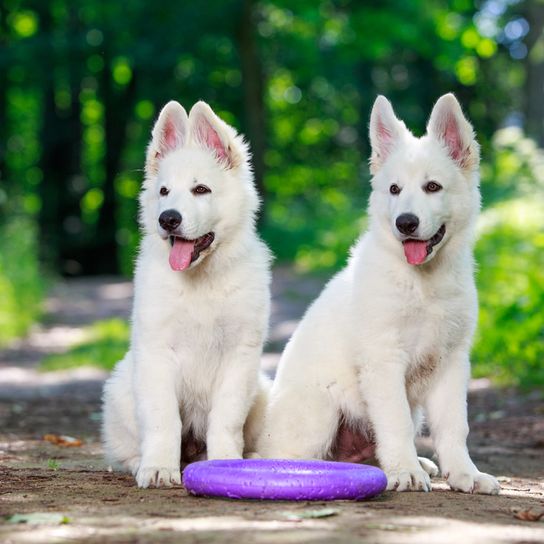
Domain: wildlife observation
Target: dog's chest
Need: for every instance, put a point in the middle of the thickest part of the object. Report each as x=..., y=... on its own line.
x=433, y=321
x=203, y=333
x=202, y=337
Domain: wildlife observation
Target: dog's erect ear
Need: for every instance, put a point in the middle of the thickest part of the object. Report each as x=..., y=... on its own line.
x=385, y=131
x=210, y=132
x=449, y=126
x=169, y=133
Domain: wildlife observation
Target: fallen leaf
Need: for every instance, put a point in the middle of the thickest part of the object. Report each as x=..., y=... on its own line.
x=311, y=514
x=63, y=440
x=40, y=518
x=527, y=515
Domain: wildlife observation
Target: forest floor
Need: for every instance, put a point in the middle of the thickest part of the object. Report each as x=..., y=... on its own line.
x=50, y=493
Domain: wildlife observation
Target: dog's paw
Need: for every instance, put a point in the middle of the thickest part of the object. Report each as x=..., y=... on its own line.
x=408, y=480
x=428, y=466
x=158, y=477
x=132, y=465
x=474, y=482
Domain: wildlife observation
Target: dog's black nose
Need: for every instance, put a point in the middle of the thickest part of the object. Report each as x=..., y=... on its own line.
x=407, y=223
x=170, y=220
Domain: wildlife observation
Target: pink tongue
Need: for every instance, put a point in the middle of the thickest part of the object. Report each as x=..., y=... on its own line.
x=415, y=251
x=181, y=253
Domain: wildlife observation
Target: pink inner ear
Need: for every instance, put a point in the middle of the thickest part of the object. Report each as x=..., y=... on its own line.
x=170, y=138
x=209, y=137
x=384, y=137
x=170, y=135
x=452, y=138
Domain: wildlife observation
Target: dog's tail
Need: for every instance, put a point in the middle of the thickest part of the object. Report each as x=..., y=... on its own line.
x=255, y=419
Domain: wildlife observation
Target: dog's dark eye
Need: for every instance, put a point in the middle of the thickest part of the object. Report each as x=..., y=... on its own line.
x=201, y=190
x=394, y=189
x=164, y=191
x=432, y=187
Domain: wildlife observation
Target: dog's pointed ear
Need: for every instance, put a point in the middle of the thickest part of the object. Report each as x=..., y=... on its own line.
x=385, y=131
x=210, y=132
x=169, y=133
x=450, y=127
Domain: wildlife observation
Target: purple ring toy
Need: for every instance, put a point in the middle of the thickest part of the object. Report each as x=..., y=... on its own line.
x=283, y=479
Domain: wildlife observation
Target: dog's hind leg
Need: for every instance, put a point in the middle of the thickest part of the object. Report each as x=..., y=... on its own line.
x=119, y=429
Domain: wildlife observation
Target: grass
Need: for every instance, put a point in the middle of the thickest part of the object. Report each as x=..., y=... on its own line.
x=53, y=464
x=21, y=282
x=106, y=343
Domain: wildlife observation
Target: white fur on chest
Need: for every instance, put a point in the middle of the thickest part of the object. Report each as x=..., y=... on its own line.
x=424, y=313
x=199, y=322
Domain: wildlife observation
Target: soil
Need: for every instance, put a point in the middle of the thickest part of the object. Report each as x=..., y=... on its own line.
x=97, y=505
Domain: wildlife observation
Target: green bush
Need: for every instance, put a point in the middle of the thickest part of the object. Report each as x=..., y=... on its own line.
x=513, y=167
x=21, y=283
x=315, y=212
x=106, y=342
x=509, y=344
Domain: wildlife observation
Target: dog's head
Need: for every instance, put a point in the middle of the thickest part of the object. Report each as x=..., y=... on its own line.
x=199, y=189
x=424, y=189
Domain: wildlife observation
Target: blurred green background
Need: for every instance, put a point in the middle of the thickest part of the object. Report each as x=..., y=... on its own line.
x=82, y=81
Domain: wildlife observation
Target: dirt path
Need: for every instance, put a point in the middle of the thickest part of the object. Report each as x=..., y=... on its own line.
x=507, y=439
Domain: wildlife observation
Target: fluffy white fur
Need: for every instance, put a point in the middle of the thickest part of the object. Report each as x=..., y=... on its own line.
x=197, y=334
x=387, y=340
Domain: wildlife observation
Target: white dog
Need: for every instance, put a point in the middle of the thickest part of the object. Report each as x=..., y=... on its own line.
x=391, y=333
x=201, y=305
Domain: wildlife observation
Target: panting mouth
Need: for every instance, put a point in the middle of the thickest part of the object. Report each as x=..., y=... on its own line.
x=416, y=251
x=184, y=252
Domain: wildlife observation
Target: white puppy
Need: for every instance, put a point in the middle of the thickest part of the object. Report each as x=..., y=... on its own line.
x=201, y=305
x=391, y=333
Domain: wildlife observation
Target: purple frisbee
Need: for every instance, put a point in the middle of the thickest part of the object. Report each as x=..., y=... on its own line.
x=283, y=479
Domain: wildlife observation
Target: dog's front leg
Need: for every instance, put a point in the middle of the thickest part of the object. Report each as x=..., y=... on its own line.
x=233, y=395
x=384, y=393
x=447, y=415
x=158, y=418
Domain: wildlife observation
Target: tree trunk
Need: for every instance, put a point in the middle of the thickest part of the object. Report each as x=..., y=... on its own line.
x=534, y=66
x=118, y=106
x=3, y=103
x=253, y=84
x=61, y=153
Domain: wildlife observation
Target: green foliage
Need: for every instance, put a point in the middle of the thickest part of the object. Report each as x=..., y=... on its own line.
x=510, y=338
x=106, y=343
x=79, y=94
x=316, y=214
x=512, y=166
x=21, y=283
x=509, y=344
